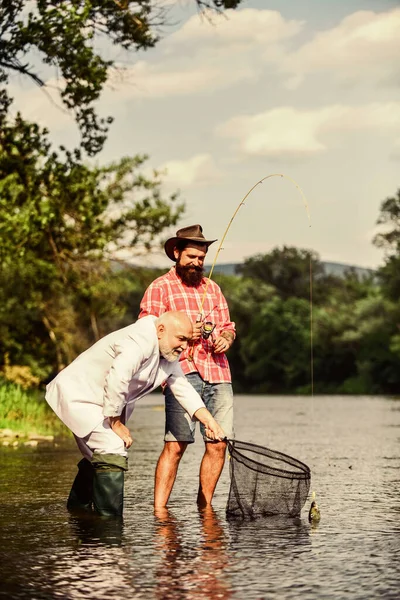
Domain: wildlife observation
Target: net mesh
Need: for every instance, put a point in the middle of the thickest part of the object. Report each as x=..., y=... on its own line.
x=265, y=482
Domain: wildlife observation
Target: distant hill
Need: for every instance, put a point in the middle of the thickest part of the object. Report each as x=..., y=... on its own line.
x=331, y=268
x=339, y=269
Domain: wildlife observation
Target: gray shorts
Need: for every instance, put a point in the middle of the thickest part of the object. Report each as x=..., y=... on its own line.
x=218, y=398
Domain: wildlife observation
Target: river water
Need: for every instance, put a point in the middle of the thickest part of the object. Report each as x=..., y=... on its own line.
x=351, y=445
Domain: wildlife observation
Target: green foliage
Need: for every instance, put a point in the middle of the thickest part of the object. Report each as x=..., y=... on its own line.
x=389, y=240
x=334, y=357
x=389, y=277
x=61, y=222
x=245, y=298
x=374, y=332
x=355, y=329
x=68, y=211
x=389, y=217
x=275, y=349
x=26, y=411
x=288, y=271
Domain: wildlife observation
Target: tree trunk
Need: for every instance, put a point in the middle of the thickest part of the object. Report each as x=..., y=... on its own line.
x=95, y=327
x=53, y=337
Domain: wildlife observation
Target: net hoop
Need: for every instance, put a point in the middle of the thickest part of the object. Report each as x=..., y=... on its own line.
x=302, y=473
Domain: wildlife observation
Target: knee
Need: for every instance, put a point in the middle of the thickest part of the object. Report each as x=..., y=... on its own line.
x=216, y=449
x=174, y=450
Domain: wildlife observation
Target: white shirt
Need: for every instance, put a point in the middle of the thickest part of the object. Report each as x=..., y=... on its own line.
x=112, y=374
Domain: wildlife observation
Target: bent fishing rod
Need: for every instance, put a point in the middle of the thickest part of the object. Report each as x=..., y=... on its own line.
x=242, y=202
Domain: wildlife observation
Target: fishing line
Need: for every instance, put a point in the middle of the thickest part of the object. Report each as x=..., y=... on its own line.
x=310, y=260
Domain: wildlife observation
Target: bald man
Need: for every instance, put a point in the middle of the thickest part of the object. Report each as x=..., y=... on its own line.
x=95, y=396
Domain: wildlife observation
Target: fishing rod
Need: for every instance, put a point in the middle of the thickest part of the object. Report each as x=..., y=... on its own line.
x=223, y=239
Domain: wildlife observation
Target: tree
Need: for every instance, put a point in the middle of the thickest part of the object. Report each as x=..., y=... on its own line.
x=272, y=350
x=246, y=297
x=61, y=222
x=389, y=240
x=389, y=216
x=67, y=35
x=373, y=335
x=288, y=271
x=275, y=349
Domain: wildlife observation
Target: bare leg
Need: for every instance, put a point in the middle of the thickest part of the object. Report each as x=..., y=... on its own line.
x=210, y=471
x=166, y=470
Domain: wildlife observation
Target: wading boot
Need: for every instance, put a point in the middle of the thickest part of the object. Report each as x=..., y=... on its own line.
x=81, y=495
x=108, y=483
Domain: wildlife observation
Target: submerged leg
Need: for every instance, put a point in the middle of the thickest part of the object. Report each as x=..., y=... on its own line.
x=108, y=483
x=81, y=495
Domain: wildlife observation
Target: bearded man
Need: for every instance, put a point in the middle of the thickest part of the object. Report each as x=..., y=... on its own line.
x=204, y=362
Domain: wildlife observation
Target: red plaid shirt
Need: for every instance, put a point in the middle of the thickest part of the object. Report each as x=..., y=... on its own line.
x=168, y=292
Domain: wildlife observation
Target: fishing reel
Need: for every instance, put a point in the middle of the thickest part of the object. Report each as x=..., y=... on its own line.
x=207, y=329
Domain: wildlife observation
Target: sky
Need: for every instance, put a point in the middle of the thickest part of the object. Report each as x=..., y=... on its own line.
x=307, y=89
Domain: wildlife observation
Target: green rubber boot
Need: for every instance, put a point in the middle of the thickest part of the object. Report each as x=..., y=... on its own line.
x=108, y=483
x=81, y=495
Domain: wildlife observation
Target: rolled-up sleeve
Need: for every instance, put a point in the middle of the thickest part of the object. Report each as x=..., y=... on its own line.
x=184, y=392
x=128, y=359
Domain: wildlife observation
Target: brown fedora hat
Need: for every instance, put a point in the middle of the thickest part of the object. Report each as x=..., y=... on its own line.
x=192, y=233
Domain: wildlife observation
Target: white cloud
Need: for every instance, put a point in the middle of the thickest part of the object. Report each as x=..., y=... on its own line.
x=209, y=56
x=144, y=80
x=293, y=133
x=365, y=46
x=238, y=45
x=197, y=170
x=246, y=27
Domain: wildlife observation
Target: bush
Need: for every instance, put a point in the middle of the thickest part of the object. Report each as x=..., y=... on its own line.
x=26, y=411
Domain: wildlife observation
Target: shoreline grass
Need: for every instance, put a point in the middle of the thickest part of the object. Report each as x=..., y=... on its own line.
x=26, y=411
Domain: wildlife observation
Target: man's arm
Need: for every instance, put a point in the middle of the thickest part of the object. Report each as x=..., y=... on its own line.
x=121, y=430
x=183, y=391
x=224, y=341
x=190, y=400
x=212, y=430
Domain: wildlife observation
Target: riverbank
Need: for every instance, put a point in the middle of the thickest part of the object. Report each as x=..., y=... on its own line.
x=26, y=417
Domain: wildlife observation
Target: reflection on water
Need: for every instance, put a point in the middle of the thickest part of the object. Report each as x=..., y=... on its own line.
x=185, y=570
x=352, y=448
x=90, y=530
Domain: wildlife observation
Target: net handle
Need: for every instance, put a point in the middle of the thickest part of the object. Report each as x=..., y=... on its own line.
x=228, y=442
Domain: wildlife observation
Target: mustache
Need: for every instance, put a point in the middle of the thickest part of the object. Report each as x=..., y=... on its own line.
x=191, y=275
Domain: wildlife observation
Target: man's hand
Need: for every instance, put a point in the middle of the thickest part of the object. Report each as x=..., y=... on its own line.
x=223, y=342
x=212, y=430
x=197, y=331
x=121, y=430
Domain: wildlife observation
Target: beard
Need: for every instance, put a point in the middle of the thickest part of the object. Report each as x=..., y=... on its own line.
x=170, y=354
x=190, y=275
